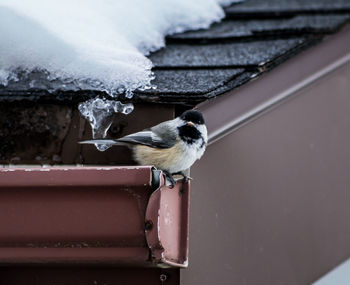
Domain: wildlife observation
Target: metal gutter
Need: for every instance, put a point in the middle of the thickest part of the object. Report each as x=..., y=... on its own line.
x=101, y=215
x=169, y=242
x=75, y=176
x=248, y=102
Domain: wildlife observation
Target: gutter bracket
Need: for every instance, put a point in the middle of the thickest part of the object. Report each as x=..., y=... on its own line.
x=167, y=224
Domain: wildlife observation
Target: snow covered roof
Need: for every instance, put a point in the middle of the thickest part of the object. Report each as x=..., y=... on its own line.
x=194, y=66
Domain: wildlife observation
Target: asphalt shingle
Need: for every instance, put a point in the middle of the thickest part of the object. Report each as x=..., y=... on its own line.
x=246, y=54
x=259, y=8
x=238, y=29
x=192, y=81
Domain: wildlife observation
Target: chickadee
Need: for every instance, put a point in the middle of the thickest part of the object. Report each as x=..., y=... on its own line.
x=172, y=146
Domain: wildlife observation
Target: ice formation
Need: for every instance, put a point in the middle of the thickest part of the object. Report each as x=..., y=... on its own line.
x=99, y=113
x=90, y=44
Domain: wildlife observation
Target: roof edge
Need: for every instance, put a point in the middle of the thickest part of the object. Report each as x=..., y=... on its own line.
x=241, y=105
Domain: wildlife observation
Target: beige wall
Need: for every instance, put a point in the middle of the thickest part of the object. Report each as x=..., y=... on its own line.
x=271, y=201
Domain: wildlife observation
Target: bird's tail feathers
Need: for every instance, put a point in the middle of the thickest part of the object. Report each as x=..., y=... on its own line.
x=100, y=141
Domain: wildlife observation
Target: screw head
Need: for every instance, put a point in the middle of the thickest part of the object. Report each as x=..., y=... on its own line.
x=148, y=225
x=163, y=277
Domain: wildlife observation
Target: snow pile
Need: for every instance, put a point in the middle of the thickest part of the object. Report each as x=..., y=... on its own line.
x=94, y=44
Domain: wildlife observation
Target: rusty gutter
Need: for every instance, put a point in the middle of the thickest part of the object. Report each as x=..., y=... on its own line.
x=241, y=105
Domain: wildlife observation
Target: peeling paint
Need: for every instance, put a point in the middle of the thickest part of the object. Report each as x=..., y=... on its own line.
x=132, y=192
x=158, y=224
x=167, y=218
x=105, y=168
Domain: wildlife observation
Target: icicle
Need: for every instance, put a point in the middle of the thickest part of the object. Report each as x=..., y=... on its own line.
x=99, y=112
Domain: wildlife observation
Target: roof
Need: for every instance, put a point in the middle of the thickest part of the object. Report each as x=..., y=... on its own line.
x=194, y=66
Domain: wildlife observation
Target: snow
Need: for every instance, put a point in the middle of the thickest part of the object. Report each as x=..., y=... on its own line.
x=88, y=44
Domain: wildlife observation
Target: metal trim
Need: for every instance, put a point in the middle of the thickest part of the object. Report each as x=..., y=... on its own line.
x=246, y=103
x=75, y=176
x=234, y=124
x=168, y=212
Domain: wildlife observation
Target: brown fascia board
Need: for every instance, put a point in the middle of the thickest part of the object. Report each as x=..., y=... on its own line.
x=232, y=110
x=105, y=215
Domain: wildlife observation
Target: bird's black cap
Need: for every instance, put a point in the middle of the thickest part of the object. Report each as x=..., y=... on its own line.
x=194, y=116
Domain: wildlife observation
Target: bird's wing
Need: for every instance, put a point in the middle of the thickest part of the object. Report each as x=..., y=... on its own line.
x=163, y=135
x=160, y=136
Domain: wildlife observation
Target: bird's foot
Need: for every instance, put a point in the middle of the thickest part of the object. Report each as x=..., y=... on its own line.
x=185, y=177
x=170, y=179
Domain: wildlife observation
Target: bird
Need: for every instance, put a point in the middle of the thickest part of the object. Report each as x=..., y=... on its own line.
x=172, y=146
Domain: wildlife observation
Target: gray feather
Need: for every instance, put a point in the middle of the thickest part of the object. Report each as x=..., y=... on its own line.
x=99, y=141
x=160, y=136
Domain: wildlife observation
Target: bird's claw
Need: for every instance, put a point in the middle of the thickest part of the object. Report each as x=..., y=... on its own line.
x=170, y=179
x=186, y=178
x=172, y=182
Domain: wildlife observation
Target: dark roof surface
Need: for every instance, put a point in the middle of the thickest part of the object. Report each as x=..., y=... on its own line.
x=287, y=7
x=254, y=28
x=254, y=37
x=222, y=55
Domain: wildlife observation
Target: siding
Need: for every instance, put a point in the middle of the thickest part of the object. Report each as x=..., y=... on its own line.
x=270, y=201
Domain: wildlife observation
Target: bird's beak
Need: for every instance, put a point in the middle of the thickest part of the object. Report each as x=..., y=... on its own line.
x=189, y=123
